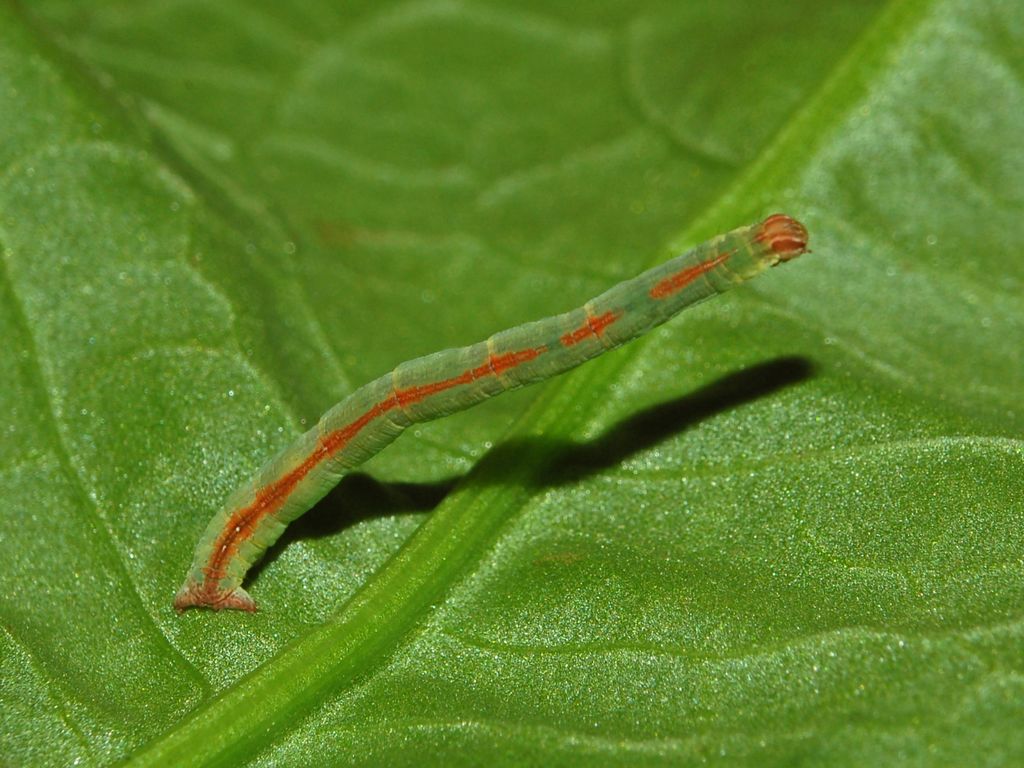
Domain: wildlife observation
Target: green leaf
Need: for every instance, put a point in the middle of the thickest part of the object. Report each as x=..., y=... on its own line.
x=785, y=528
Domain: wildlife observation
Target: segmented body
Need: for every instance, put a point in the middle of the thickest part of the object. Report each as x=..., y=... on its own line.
x=430, y=387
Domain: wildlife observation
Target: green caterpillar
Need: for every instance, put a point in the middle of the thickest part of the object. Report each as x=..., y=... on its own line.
x=430, y=387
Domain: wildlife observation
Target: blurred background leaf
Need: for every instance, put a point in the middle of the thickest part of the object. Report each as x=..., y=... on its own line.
x=785, y=528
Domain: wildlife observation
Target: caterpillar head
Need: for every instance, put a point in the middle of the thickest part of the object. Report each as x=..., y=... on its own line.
x=785, y=236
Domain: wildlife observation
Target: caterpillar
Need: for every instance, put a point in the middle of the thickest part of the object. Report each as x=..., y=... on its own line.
x=255, y=515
